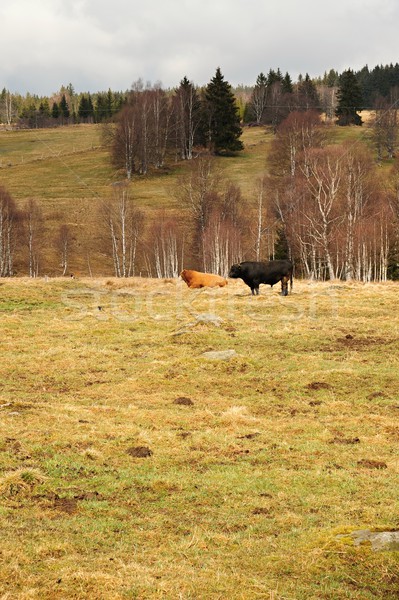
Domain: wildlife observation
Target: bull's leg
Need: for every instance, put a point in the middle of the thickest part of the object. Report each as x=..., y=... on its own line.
x=284, y=285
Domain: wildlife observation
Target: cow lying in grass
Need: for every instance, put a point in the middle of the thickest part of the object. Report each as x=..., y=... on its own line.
x=196, y=279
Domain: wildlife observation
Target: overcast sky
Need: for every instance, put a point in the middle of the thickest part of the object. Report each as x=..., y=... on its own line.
x=101, y=44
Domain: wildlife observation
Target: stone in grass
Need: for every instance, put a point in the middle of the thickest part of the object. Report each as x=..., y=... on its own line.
x=219, y=354
x=139, y=451
x=378, y=540
x=183, y=401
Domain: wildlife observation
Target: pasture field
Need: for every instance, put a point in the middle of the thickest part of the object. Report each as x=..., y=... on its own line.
x=134, y=466
x=68, y=172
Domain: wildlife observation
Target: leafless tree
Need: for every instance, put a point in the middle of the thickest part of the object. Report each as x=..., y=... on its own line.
x=7, y=112
x=9, y=217
x=328, y=100
x=385, y=126
x=64, y=244
x=126, y=140
x=124, y=225
x=187, y=117
x=198, y=192
x=34, y=226
x=259, y=96
x=299, y=132
x=222, y=244
x=141, y=135
x=166, y=247
x=337, y=214
x=224, y=233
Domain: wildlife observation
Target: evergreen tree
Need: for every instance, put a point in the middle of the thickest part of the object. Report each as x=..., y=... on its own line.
x=85, y=109
x=64, y=108
x=55, y=111
x=287, y=84
x=307, y=94
x=274, y=77
x=331, y=78
x=224, y=128
x=281, y=247
x=110, y=103
x=349, y=98
x=102, y=107
x=44, y=108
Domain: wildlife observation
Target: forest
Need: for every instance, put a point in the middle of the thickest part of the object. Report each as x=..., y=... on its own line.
x=326, y=197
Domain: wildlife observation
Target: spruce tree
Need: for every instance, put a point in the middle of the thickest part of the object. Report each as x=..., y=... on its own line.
x=55, y=111
x=223, y=120
x=287, y=87
x=101, y=110
x=307, y=94
x=349, y=98
x=44, y=108
x=281, y=247
x=63, y=106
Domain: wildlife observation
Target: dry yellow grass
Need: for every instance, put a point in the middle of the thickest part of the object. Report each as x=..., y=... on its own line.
x=113, y=485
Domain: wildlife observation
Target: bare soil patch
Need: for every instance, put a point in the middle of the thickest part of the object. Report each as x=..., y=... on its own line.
x=183, y=401
x=139, y=451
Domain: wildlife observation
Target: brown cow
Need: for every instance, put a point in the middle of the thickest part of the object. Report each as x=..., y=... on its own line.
x=196, y=279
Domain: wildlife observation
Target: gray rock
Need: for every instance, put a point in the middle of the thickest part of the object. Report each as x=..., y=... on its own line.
x=379, y=540
x=208, y=318
x=219, y=354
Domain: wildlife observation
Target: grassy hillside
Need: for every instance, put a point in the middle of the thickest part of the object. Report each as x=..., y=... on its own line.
x=68, y=172
x=133, y=466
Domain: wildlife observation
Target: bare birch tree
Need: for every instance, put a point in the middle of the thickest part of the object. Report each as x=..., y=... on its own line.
x=64, y=244
x=187, y=117
x=34, y=225
x=166, y=246
x=385, y=127
x=8, y=233
x=7, y=111
x=258, y=100
x=124, y=225
x=322, y=177
x=198, y=192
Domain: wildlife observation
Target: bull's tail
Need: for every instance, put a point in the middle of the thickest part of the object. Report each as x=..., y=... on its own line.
x=291, y=279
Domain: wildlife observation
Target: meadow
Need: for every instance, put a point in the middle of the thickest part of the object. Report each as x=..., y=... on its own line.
x=68, y=172
x=135, y=465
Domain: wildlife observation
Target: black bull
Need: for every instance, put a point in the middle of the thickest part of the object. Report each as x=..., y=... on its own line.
x=255, y=273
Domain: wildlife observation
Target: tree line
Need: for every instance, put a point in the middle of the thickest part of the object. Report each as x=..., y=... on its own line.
x=321, y=203
x=68, y=106
x=325, y=205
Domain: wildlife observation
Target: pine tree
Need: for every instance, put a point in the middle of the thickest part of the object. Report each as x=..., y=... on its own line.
x=224, y=128
x=85, y=110
x=64, y=108
x=110, y=103
x=287, y=84
x=281, y=247
x=102, y=108
x=307, y=94
x=349, y=98
x=44, y=108
x=55, y=111
x=274, y=77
